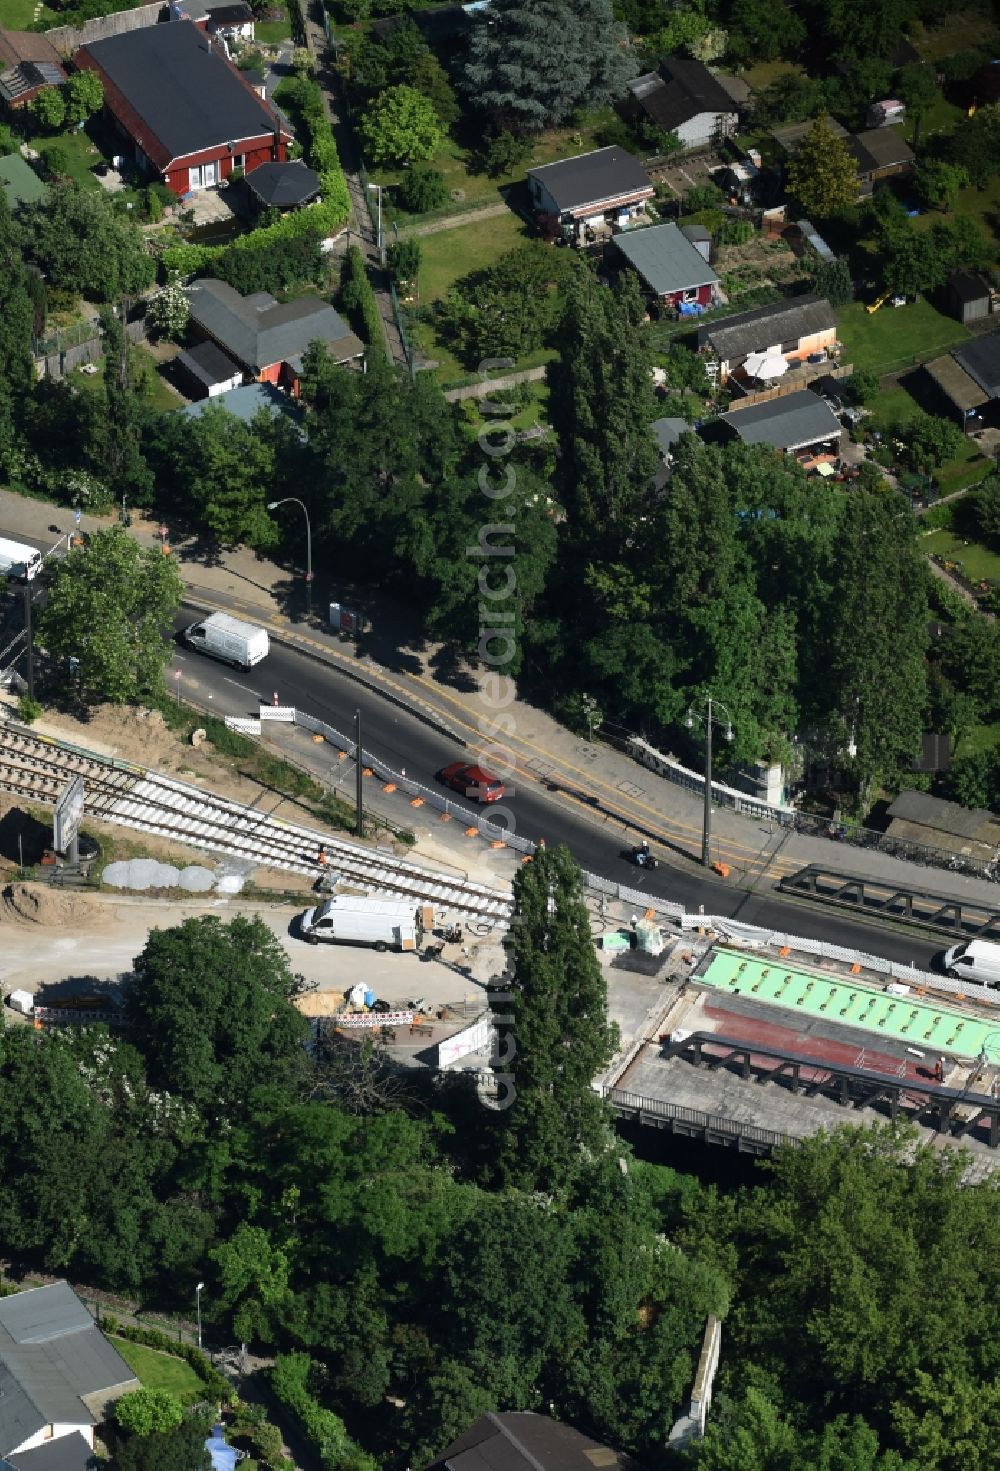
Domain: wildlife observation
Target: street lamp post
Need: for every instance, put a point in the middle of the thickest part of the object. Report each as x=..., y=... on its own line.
x=377, y=189
x=706, y=833
x=273, y=506
x=199, y=1289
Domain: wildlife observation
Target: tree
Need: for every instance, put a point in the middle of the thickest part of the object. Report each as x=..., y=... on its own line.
x=169, y=310
x=877, y=679
x=254, y=1282
x=516, y=76
x=763, y=30
x=422, y=189
x=81, y=245
x=931, y=440
x=221, y=472
x=982, y=506
x=510, y=308
x=974, y=780
x=125, y=468
x=108, y=607
x=975, y=144
x=17, y=371
x=916, y=85
x=49, y=109
x=501, y=153
x=211, y=1010
x=601, y=406
x=862, y=385
x=404, y=258
x=821, y=172
x=84, y=96
x=560, y=1027
x=401, y=126
x=182, y=1449
x=148, y=1411
x=833, y=280
x=429, y=77
x=938, y=183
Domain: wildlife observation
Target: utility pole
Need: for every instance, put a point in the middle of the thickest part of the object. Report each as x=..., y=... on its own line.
x=706, y=831
x=359, y=777
x=29, y=635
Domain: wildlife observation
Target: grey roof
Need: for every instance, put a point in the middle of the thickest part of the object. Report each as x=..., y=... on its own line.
x=981, y=360
x=967, y=285
x=524, y=1441
x=668, y=431
x=665, y=259
x=65, y=1453
x=735, y=337
x=695, y=231
x=283, y=184
x=679, y=92
x=259, y=332
x=209, y=364
x=246, y=402
x=789, y=137
x=590, y=178
x=52, y=1355
x=180, y=93
x=788, y=422
x=879, y=148
x=945, y=817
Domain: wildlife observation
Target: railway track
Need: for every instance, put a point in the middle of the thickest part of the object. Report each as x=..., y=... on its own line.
x=37, y=768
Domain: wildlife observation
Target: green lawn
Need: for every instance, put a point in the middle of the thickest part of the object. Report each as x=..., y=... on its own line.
x=893, y=409
x=979, y=738
x=270, y=32
x=449, y=254
x=81, y=152
x=895, y=337
x=977, y=562
x=159, y=394
x=161, y=1371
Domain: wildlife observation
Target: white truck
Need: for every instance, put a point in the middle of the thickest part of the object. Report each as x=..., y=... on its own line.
x=19, y=561
x=349, y=919
x=229, y=639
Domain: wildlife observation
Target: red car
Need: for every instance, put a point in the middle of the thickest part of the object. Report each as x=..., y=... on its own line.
x=473, y=782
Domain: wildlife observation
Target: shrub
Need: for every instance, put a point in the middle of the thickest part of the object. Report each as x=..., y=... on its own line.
x=28, y=711
x=148, y=1411
x=421, y=189
x=359, y=298
x=337, y=1451
x=56, y=160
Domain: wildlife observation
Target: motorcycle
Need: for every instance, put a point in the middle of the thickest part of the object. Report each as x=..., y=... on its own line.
x=642, y=858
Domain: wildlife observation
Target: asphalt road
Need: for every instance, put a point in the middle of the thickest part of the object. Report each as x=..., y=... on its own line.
x=405, y=742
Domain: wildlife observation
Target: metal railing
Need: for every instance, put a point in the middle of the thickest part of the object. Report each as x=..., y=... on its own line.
x=694, y=1118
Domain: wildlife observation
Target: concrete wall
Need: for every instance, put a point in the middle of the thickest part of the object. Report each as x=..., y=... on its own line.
x=66, y=39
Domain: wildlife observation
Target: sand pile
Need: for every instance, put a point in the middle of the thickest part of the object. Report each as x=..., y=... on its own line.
x=36, y=904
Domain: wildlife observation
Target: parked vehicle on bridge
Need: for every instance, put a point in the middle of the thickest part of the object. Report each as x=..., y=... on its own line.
x=350, y=919
x=19, y=561
x=230, y=639
x=974, y=960
x=473, y=782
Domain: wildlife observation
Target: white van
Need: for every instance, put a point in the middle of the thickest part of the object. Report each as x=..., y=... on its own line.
x=19, y=561
x=384, y=924
x=229, y=639
x=974, y=960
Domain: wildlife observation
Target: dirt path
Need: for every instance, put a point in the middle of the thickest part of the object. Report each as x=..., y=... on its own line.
x=455, y=222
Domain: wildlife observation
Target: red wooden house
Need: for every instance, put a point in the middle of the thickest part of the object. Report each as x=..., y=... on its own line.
x=187, y=113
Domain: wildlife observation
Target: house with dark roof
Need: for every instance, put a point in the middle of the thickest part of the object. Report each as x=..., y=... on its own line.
x=670, y=266
x=588, y=192
x=880, y=153
x=265, y=338
x=67, y=1453
x=794, y=422
x=967, y=296
x=966, y=382
x=188, y=114
x=683, y=97
x=283, y=185
x=28, y=64
x=209, y=371
x=523, y=1441
x=58, y=1375
x=795, y=329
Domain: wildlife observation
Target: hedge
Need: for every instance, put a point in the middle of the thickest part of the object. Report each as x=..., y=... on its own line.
x=326, y=1431
x=320, y=220
x=213, y=1381
x=358, y=296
